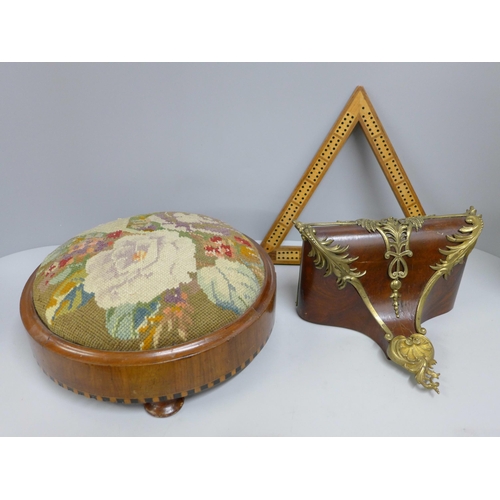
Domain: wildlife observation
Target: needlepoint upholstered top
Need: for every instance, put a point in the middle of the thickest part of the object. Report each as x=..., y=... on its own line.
x=151, y=283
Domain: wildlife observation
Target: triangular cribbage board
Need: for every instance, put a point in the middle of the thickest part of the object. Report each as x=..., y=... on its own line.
x=359, y=109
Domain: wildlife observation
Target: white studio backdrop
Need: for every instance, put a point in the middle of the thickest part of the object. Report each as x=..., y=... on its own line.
x=82, y=144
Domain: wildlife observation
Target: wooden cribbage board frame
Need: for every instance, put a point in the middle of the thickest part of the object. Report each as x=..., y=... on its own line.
x=358, y=109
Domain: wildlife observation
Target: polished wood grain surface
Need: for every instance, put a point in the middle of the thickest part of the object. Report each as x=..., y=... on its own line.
x=320, y=301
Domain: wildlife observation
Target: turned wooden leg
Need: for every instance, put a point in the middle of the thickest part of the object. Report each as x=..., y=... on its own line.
x=164, y=409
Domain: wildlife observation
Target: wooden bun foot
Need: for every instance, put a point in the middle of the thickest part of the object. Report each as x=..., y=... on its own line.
x=164, y=408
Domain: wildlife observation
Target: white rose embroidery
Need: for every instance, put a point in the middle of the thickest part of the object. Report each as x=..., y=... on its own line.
x=195, y=218
x=163, y=223
x=139, y=267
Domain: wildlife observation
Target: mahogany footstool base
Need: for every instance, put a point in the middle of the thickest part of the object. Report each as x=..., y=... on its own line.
x=161, y=378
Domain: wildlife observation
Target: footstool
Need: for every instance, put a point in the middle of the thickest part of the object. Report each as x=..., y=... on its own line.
x=150, y=309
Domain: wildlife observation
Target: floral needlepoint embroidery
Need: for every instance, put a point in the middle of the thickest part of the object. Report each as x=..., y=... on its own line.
x=218, y=247
x=241, y=240
x=148, y=281
x=138, y=268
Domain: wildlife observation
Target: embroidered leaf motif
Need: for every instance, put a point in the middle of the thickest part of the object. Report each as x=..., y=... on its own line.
x=68, y=296
x=120, y=322
x=125, y=321
x=230, y=285
x=59, y=278
x=144, y=223
x=76, y=298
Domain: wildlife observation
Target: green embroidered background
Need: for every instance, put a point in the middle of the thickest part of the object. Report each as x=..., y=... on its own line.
x=148, y=282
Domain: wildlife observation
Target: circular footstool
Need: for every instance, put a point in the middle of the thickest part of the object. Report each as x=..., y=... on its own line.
x=150, y=309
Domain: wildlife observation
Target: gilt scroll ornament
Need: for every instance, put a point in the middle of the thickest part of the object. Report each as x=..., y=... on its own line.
x=465, y=240
x=396, y=235
x=415, y=352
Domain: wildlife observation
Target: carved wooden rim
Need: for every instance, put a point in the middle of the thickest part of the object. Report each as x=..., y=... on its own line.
x=48, y=340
